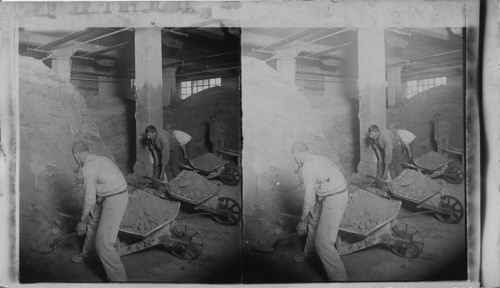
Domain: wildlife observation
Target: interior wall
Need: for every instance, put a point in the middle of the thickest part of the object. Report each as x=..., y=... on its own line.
x=111, y=106
x=336, y=105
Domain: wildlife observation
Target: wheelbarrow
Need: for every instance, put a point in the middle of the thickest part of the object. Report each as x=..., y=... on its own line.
x=401, y=238
x=183, y=241
x=214, y=169
x=452, y=174
x=448, y=209
x=226, y=212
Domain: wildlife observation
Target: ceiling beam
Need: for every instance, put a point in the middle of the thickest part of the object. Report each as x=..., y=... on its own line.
x=428, y=57
x=433, y=34
x=70, y=37
x=106, y=50
x=275, y=46
x=259, y=40
x=201, y=58
x=328, y=51
x=34, y=39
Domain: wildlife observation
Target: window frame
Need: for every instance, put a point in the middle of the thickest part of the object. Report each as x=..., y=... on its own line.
x=191, y=87
x=417, y=86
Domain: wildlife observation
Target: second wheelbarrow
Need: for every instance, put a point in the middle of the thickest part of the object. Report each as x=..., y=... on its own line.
x=370, y=220
x=434, y=165
x=213, y=167
x=428, y=196
x=193, y=189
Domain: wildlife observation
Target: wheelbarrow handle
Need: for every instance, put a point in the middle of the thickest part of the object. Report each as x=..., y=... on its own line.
x=156, y=181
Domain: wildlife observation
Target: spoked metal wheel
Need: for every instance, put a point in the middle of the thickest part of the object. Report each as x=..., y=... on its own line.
x=454, y=175
x=230, y=176
x=454, y=208
x=407, y=241
x=186, y=242
x=231, y=207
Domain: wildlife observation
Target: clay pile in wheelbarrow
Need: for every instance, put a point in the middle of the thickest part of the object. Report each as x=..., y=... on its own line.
x=192, y=187
x=431, y=161
x=147, y=212
x=207, y=162
x=366, y=211
x=414, y=185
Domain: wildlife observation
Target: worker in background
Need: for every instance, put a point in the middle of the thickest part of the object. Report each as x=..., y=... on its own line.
x=388, y=151
x=162, y=144
x=405, y=138
x=181, y=140
x=441, y=133
x=217, y=134
x=105, y=203
x=325, y=199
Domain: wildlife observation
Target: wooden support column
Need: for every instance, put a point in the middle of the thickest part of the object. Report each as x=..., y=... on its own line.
x=371, y=89
x=149, y=88
x=61, y=63
x=170, y=96
x=394, y=92
x=285, y=65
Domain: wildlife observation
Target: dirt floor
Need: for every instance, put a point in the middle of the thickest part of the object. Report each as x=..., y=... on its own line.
x=218, y=263
x=443, y=257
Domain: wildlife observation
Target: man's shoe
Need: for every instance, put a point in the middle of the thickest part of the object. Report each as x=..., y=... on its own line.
x=301, y=258
x=78, y=258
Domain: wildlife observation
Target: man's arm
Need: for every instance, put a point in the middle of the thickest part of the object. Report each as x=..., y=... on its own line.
x=309, y=193
x=165, y=155
x=388, y=155
x=184, y=152
x=89, y=186
x=408, y=148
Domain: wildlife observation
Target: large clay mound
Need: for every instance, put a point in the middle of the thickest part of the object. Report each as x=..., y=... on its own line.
x=417, y=113
x=276, y=114
x=192, y=116
x=53, y=115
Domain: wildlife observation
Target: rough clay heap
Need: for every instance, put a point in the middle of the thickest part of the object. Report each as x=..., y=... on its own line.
x=431, y=160
x=191, y=186
x=414, y=185
x=366, y=210
x=145, y=212
x=207, y=162
x=191, y=116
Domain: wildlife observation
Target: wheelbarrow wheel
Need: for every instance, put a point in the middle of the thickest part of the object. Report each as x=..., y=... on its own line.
x=455, y=208
x=230, y=176
x=186, y=243
x=407, y=241
x=454, y=175
x=228, y=205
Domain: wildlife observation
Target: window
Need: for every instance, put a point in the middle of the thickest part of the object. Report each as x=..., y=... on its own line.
x=191, y=87
x=414, y=87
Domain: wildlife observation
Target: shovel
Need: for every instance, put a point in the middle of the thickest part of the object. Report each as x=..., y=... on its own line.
x=275, y=244
x=53, y=244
